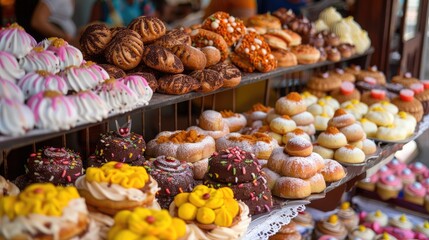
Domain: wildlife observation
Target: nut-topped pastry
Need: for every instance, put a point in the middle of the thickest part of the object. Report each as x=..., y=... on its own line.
x=95, y=39
x=117, y=186
x=125, y=49
x=173, y=177
x=59, y=166
x=152, y=224
x=240, y=170
x=211, y=213
x=149, y=28
x=60, y=212
x=229, y=27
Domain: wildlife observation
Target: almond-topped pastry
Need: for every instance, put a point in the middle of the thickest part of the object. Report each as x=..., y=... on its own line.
x=332, y=138
x=229, y=27
x=257, y=143
x=291, y=104
x=211, y=214
x=43, y=211
x=235, y=121
x=117, y=186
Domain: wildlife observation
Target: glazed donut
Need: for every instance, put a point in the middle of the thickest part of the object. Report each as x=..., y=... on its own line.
x=317, y=183
x=325, y=153
x=353, y=132
x=333, y=171
x=289, y=187
x=341, y=119
x=332, y=138
x=318, y=161
x=304, y=118
x=282, y=125
x=298, y=146
x=291, y=104
x=235, y=121
x=349, y=154
x=295, y=133
x=257, y=143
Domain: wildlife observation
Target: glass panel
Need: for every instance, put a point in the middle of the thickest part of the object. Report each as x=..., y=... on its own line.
x=411, y=19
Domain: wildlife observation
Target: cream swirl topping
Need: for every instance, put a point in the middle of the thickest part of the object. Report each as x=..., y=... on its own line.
x=35, y=82
x=15, y=117
x=81, y=78
x=16, y=41
x=115, y=192
x=118, y=96
x=9, y=67
x=67, y=54
x=10, y=90
x=90, y=107
x=140, y=86
x=40, y=59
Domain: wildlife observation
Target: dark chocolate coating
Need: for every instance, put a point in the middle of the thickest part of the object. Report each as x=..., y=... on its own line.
x=94, y=161
x=113, y=147
x=59, y=166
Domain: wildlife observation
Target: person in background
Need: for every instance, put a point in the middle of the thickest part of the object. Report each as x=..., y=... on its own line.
x=47, y=18
x=120, y=12
x=237, y=8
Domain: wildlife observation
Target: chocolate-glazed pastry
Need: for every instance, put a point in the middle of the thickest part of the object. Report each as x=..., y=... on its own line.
x=121, y=145
x=95, y=39
x=231, y=75
x=173, y=38
x=161, y=59
x=210, y=80
x=173, y=177
x=113, y=71
x=125, y=49
x=177, y=84
x=240, y=170
x=59, y=166
x=115, y=30
x=149, y=28
x=285, y=15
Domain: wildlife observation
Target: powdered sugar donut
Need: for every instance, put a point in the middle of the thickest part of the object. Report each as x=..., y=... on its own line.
x=15, y=117
x=290, y=105
x=257, y=143
x=298, y=146
x=332, y=138
x=16, y=41
x=10, y=90
x=35, y=82
x=10, y=69
x=299, y=167
x=295, y=133
x=317, y=183
x=140, y=86
x=90, y=107
x=40, y=59
x=282, y=125
x=53, y=111
x=257, y=112
x=271, y=115
x=67, y=54
x=341, y=119
x=84, y=77
x=349, y=154
x=235, y=121
x=333, y=171
x=289, y=187
x=353, y=132
x=304, y=118
x=118, y=96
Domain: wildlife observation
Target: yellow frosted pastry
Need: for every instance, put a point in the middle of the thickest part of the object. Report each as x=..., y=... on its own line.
x=368, y=127
x=406, y=121
x=393, y=109
x=142, y=223
x=330, y=15
x=391, y=133
x=380, y=116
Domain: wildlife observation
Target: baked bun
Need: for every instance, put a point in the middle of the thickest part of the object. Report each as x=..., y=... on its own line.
x=324, y=82
x=293, y=188
x=266, y=21
x=306, y=54
x=210, y=80
x=332, y=138
x=295, y=133
x=341, y=119
x=368, y=147
x=291, y=104
x=317, y=183
x=192, y=58
x=303, y=119
x=231, y=75
x=161, y=59
x=333, y=171
x=295, y=38
x=149, y=28
x=173, y=38
x=231, y=28
x=353, y=132
x=203, y=38
x=349, y=154
x=235, y=121
x=125, y=49
x=299, y=146
x=241, y=62
x=282, y=125
x=324, y=152
x=178, y=84
x=275, y=42
x=211, y=123
x=95, y=39
x=212, y=55
x=285, y=58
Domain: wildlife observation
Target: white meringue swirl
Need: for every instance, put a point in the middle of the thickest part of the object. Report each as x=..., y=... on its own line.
x=90, y=107
x=40, y=59
x=118, y=96
x=16, y=41
x=10, y=90
x=15, y=117
x=83, y=77
x=35, y=82
x=9, y=67
x=140, y=86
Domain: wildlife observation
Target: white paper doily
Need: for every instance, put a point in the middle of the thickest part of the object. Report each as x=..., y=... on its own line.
x=267, y=225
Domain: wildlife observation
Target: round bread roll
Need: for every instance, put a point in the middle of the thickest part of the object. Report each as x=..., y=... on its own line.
x=317, y=183
x=306, y=54
x=210, y=80
x=235, y=121
x=231, y=75
x=299, y=146
x=173, y=38
x=332, y=138
x=285, y=58
x=192, y=58
x=299, y=167
x=291, y=104
x=293, y=188
x=295, y=133
x=282, y=125
x=95, y=39
x=125, y=49
x=161, y=59
x=212, y=55
x=333, y=171
x=349, y=154
x=322, y=151
x=353, y=132
x=149, y=28
x=211, y=120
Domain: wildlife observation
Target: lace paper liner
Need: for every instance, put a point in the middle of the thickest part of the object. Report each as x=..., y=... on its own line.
x=269, y=224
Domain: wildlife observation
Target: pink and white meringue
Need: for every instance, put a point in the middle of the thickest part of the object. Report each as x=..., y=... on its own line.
x=53, y=111
x=140, y=86
x=35, y=82
x=16, y=41
x=90, y=107
x=67, y=54
x=118, y=96
x=16, y=118
x=40, y=59
x=9, y=67
x=84, y=77
x=10, y=90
